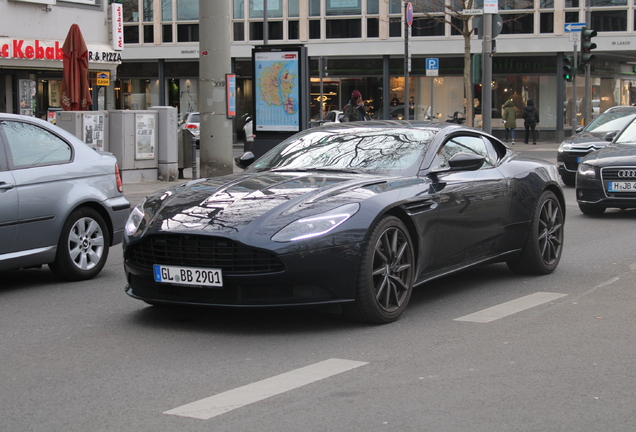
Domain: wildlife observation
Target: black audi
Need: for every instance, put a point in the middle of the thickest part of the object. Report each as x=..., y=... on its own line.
x=607, y=178
x=596, y=135
x=354, y=214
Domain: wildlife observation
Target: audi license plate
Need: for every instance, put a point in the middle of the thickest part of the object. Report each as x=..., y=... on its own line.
x=615, y=186
x=205, y=277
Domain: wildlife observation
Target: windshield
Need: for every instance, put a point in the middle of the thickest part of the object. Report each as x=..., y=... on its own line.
x=628, y=136
x=367, y=150
x=610, y=121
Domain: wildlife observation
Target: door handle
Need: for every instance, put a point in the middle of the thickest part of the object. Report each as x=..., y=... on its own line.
x=6, y=186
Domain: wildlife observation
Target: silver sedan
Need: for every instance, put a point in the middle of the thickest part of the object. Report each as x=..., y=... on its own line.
x=61, y=202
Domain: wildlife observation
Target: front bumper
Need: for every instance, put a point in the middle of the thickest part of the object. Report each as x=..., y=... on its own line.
x=318, y=277
x=592, y=191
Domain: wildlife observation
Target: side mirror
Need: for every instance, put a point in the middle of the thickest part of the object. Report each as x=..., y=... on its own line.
x=466, y=162
x=245, y=160
x=610, y=136
x=579, y=129
x=463, y=162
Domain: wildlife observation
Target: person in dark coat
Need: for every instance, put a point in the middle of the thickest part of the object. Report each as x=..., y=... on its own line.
x=530, y=121
x=354, y=110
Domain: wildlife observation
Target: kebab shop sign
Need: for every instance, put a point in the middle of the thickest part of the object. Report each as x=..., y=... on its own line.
x=30, y=49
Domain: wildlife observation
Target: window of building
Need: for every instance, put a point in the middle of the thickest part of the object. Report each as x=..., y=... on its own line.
x=427, y=27
x=546, y=22
x=314, y=8
x=187, y=32
x=373, y=7
x=188, y=10
x=395, y=27
x=314, y=29
x=373, y=27
x=517, y=23
x=149, y=34
x=239, y=32
x=340, y=7
x=343, y=28
x=166, y=33
x=609, y=21
x=293, y=30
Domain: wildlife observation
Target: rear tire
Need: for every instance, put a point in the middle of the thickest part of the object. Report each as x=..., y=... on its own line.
x=83, y=246
x=385, y=277
x=542, y=250
x=591, y=209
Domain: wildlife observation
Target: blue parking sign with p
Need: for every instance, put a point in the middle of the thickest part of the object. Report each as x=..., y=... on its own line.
x=432, y=66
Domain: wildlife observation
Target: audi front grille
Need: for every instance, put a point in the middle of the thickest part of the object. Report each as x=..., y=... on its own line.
x=202, y=251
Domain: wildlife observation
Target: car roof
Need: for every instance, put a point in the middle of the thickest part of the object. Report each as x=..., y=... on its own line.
x=390, y=124
x=627, y=108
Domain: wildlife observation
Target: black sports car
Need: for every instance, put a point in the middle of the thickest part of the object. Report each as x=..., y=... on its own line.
x=594, y=136
x=355, y=214
x=607, y=178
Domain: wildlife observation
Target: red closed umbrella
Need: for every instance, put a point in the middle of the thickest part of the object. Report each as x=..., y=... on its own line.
x=76, y=95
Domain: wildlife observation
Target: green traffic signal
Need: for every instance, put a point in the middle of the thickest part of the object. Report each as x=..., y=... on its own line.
x=569, y=69
x=587, y=45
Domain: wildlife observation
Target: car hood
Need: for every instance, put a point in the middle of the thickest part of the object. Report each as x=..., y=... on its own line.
x=587, y=139
x=245, y=203
x=613, y=155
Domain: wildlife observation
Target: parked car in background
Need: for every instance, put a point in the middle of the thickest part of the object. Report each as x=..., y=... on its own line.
x=355, y=214
x=61, y=202
x=191, y=122
x=607, y=177
x=591, y=138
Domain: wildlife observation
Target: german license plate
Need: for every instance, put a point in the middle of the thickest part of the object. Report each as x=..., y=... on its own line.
x=205, y=277
x=615, y=186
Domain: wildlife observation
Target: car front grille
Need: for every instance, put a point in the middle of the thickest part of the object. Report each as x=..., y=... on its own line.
x=612, y=174
x=202, y=251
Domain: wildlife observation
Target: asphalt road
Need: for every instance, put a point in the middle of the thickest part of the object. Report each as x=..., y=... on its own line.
x=485, y=350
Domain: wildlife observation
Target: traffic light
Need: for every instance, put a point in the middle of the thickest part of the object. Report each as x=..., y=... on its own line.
x=587, y=45
x=569, y=69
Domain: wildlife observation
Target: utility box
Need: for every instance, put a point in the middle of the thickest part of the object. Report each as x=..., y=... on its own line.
x=133, y=140
x=185, y=150
x=89, y=126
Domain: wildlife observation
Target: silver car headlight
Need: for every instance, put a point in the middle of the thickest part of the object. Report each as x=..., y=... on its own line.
x=135, y=219
x=316, y=225
x=565, y=147
x=586, y=170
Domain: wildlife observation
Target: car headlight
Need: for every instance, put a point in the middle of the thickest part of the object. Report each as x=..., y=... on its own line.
x=316, y=225
x=135, y=218
x=565, y=147
x=586, y=170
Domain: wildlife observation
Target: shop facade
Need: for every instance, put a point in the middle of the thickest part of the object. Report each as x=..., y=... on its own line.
x=31, y=56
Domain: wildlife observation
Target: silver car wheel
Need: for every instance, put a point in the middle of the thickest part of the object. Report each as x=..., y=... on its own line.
x=86, y=243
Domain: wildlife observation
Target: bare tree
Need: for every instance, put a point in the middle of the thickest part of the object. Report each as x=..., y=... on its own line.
x=436, y=12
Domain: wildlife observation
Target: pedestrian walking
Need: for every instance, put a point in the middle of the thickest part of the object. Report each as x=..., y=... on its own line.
x=509, y=117
x=530, y=121
x=354, y=110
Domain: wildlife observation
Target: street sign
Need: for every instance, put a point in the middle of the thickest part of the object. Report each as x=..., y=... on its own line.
x=409, y=14
x=432, y=67
x=573, y=27
x=491, y=6
x=472, y=12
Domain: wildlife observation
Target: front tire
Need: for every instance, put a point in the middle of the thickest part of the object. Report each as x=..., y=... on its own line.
x=542, y=250
x=83, y=246
x=385, y=277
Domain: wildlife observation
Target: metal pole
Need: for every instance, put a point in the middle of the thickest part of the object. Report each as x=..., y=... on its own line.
x=588, y=67
x=321, y=66
x=214, y=63
x=407, y=54
x=486, y=87
x=265, y=24
x=574, y=116
x=432, y=110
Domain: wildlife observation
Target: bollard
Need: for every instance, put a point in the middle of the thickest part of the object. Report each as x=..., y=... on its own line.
x=194, y=157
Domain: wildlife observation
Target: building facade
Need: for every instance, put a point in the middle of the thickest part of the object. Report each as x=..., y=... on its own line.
x=33, y=33
x=361, y=45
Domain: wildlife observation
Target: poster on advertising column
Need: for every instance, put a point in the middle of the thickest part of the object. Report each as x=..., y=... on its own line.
x=144, y=136
x=277, y=91
x=94, y=130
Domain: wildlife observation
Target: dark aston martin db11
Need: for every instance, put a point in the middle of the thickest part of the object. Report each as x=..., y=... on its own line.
x=354, y=214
